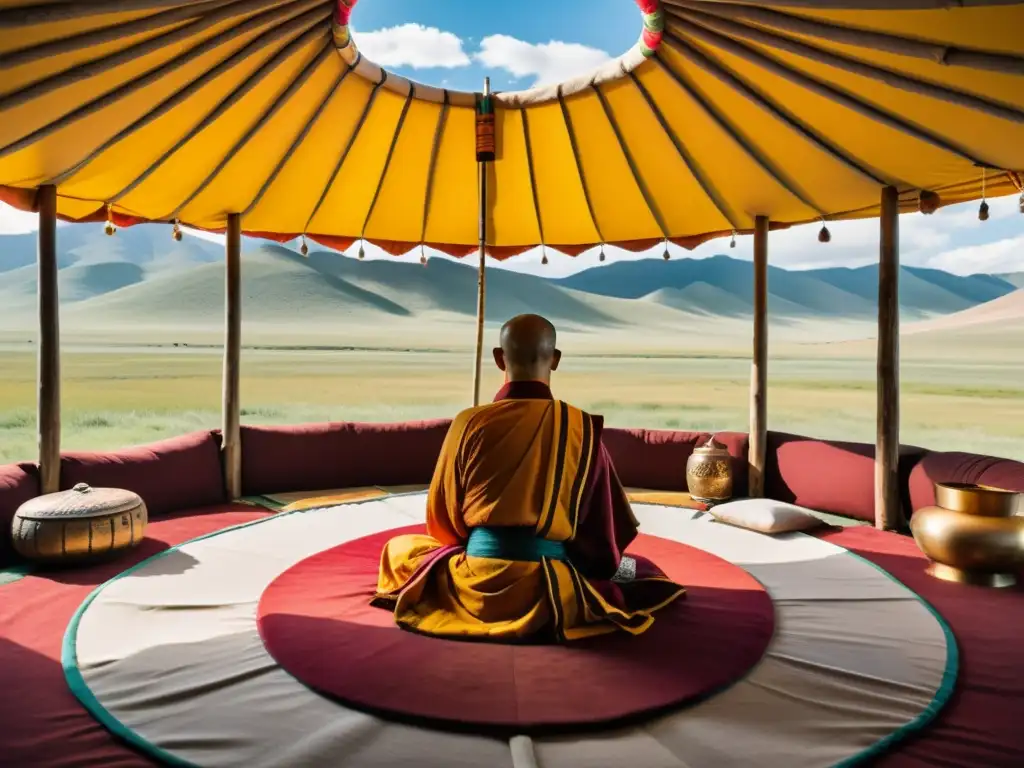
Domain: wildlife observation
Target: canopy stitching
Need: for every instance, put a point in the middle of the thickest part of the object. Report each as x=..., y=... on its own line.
x=69, y=10
x=435, y=146
x=533, y=180
x=567, y=119
x=387, y=159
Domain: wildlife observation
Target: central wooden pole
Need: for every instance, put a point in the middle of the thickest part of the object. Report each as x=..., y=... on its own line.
x=759, y=364
x=48, y=373
x=232, y=409
x=888, y=515
x=481, y=280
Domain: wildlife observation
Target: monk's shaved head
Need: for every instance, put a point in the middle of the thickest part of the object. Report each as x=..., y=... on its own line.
x=527, y=348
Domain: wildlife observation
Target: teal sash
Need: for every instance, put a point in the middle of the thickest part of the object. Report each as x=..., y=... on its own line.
x=517, y=543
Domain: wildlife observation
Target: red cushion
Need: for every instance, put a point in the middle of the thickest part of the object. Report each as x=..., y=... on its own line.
x=169, y=475
x=957, y=467
x=18, y=484
x=738, y=444
x=652, y=458
x=311, y=457
x=829, y=476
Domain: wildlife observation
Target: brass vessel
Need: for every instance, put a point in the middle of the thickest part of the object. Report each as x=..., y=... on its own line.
x=709, y=473
x=973, y=535
x=81, y=524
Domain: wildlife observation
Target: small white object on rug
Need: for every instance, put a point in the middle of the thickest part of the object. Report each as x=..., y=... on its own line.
x=765, y=516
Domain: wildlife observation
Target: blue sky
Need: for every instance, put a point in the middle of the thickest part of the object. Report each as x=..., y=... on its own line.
x=455, y=43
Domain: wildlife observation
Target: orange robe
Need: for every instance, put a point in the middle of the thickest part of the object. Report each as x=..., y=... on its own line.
x=535, y=467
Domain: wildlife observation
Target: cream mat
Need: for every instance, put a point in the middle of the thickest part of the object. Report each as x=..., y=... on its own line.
x=167, y=655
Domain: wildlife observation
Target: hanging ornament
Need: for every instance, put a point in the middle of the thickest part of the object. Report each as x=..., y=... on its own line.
x=362, y=253
x=601, y=256
x=983, y=208
x=824, y=236
x=732, y=243
x=423, y=256
x=304, y=249
x=928, y=202
x=1020, y=204
x=109, y=227
x=176, y=232
x=666, y=255
x=544, y=255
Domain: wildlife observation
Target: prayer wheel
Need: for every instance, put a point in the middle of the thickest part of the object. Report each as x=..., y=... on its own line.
x=78, y=525
x=709, y=473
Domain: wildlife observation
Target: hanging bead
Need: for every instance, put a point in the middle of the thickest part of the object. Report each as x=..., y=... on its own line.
x=1020, y=204
x=666, y=255
x=544, y=256
x=176, y=232
x=362, y=253
x=109, y=227
x=983, y=211
x=601, y=256
x=824, y=236
x=732, y=243
x=928, y=202
x=304, y=248
x=423, y=256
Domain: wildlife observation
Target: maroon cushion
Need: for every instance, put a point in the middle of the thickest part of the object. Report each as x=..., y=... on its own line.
x=171, y=474
x=311, y=457
x=652, y=458
x=955, y=467
x=18, y=484
x=829, y=476
x=738, y=444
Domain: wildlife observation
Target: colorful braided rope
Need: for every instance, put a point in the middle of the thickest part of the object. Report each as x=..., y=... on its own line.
x=342, y=14
x=654, y=25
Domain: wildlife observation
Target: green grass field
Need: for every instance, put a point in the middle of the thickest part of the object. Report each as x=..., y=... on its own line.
x=113, y=397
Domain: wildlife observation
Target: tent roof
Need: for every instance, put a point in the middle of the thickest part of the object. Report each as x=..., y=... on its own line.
x=798, y=110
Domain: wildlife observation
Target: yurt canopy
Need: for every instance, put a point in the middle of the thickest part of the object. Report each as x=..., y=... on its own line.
x=186, y=111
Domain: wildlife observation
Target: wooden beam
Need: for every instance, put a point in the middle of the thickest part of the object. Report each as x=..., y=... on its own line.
x=481, y=279
x=48, y=396
x=888, y=515
x=232, y=407
x=759, y=365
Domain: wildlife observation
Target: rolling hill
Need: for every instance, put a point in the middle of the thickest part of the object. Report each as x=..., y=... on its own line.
x=142, y=276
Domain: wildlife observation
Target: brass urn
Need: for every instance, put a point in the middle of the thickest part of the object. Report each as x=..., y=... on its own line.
x=709, y=473
x=973, y=534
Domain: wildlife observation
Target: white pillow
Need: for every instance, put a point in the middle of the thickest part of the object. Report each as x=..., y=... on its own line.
x=765, y=516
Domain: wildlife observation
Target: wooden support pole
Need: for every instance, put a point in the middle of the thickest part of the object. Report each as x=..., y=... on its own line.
x=481, y=280
x=888, y=515
x=48, y=372
x=759, y=365
x=232, y=407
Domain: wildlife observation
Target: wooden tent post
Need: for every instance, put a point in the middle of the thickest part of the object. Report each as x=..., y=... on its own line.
x=888, y=515
x=482, y=155
x=232, y=450
x=759, y=365
x=48, y=372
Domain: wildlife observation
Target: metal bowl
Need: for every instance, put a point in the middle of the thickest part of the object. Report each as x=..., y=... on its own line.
x=971, y=499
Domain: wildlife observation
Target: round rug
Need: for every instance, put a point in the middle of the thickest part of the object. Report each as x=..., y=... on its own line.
x=316, y=622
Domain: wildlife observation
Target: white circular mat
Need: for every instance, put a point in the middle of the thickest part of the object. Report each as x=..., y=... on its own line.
x=167, y=655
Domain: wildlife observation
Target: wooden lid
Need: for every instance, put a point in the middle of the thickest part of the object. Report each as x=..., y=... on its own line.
x=82, y=501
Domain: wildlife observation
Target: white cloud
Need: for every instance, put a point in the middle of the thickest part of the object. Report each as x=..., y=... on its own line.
x=15, y=222
x=547, y=63
x=200, y=234
x=412, y=45
x=994, y=258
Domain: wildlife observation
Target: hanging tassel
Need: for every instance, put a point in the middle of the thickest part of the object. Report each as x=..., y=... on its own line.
x=423, y=256
x=824, y=236
x=544, y=256
x=304, y=249
x=983, y=208
x=176, y=232
x=601, y=256
x=732, y=243
x=666, y=255
x=928, y=202
x=109, y=227
x=1020, y=204
x=362, y=253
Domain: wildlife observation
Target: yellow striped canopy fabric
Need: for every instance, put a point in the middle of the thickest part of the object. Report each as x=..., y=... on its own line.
x=178, y=110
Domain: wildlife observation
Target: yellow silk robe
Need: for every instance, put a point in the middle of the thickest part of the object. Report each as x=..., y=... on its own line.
x=524, y=460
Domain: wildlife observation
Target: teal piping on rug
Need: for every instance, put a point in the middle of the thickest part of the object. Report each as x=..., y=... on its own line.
x=262, y=501
x=69, y=654
x=942, y=694
x=13, y=573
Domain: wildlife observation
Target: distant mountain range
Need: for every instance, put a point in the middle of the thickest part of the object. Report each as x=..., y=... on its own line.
x=141, y=274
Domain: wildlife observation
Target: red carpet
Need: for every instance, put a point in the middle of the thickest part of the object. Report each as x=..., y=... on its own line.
x=316, y=621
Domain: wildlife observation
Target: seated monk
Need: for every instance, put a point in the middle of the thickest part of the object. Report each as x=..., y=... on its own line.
x=526, y=520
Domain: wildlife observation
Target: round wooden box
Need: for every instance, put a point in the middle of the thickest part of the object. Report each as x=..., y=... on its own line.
x=84, y=523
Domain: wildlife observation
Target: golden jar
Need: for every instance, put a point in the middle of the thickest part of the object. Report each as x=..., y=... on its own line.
x=973, y=534
x=84, y=523
x=709, y=473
